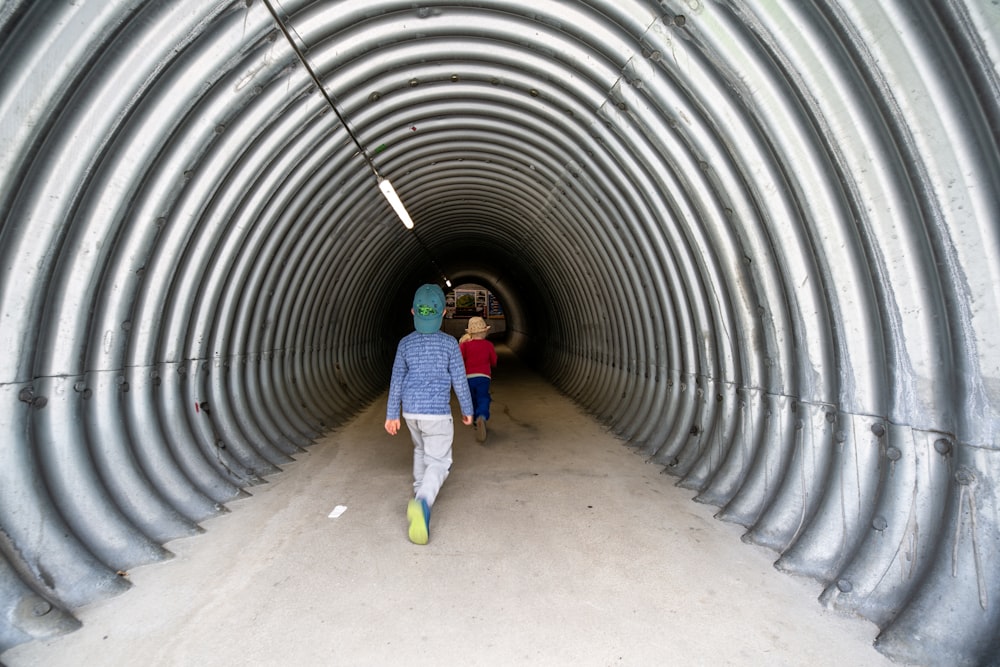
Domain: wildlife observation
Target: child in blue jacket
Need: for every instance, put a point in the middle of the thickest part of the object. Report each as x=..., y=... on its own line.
x=427, y=367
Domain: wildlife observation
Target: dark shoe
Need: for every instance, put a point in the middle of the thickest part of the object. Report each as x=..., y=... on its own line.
x=418, y=514
x=481, y=429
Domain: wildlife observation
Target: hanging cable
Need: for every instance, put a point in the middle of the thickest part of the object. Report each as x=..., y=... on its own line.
x=322, y=89
x=388, y=191
x=384, y=185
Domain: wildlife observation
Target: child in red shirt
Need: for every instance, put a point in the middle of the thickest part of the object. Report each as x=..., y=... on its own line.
x=480, y=357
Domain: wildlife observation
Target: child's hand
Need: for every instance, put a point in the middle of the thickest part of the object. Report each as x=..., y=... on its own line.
x=467, y=420
x=392, y=426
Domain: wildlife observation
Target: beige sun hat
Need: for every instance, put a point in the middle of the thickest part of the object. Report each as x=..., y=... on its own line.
x=477, y=325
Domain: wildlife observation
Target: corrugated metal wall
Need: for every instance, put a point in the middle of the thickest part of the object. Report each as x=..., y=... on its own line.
x=759, y=239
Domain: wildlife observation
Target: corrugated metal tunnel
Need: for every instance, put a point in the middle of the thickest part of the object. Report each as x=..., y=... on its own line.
x=759, y=240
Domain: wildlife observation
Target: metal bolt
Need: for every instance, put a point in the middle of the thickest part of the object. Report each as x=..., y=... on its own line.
x=964, y=476
x=893, y=454
x=942, y=445
x=878, y=430
x=844, y=586
x=879, y=523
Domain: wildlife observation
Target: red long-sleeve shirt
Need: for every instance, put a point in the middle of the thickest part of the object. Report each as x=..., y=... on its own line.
x=479, y=356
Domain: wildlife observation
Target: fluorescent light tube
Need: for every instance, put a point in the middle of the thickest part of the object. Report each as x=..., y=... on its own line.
x=390, y=195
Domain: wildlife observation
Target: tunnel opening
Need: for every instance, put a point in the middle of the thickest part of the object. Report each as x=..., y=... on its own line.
x=468, y=300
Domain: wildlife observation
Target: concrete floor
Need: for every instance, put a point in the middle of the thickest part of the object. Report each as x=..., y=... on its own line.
x=552, y=544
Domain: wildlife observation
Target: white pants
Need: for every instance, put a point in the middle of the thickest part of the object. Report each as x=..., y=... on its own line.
x=432, y=440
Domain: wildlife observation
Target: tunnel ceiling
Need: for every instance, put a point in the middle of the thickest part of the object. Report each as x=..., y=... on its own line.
x=758, y=240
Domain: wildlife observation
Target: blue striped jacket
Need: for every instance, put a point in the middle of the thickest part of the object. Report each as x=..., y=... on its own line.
x=426, y=368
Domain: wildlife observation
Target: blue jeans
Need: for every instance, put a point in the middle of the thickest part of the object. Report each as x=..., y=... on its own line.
x=479, y=387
